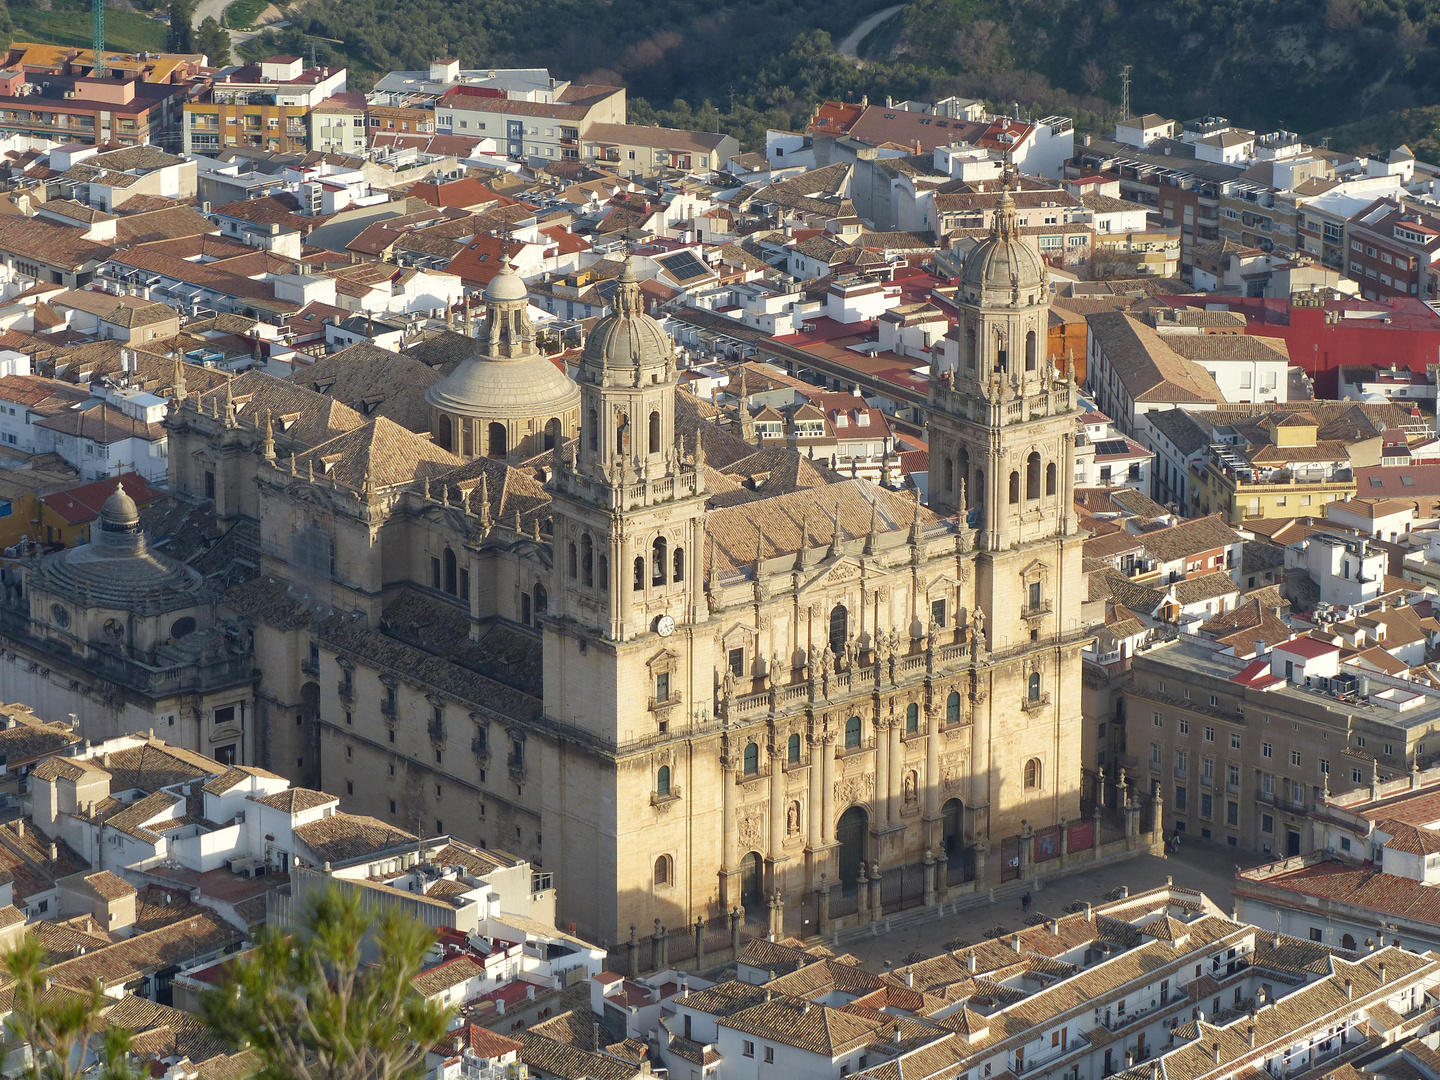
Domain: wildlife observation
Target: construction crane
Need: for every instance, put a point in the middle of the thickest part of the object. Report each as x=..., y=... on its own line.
x=97, y=17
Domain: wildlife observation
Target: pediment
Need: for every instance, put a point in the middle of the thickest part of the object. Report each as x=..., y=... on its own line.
x=842, y=572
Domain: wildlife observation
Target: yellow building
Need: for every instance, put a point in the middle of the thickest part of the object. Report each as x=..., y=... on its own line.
x=1275, y=467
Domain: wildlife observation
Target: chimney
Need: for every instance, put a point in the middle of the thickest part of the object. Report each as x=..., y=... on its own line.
x=1349, y=990
x=1055, y=927
x=1089, y=913
x=1259, y=648
x=1251, y=1033
x=54, y=851
x=595, y=1036
x=1015, y=943
x=20, y=827
x=971, y=964
x=909, y=977
x=1215, y=1050
x=1382, y=971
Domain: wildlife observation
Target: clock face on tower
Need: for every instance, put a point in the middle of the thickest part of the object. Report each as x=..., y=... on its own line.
x=664, y=626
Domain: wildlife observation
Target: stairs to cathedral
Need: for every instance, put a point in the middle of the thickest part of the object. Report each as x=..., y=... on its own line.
x=1011, y=891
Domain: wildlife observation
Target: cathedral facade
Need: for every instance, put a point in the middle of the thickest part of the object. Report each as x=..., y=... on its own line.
x=677, y=671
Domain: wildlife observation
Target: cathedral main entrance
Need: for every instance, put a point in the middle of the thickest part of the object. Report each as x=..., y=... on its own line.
x=850, y=833
x=751, y=879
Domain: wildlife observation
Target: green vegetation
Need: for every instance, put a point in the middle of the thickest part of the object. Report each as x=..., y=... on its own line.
x=213, y=41
x=319, y=1005
x=67, y=22
x=242, y=14
x=181, y=38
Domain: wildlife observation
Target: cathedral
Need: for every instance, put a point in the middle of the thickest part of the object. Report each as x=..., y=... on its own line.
x=584, y=622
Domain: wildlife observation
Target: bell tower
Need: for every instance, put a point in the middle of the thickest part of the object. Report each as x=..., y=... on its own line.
x=1002, y=424
x=629, y=503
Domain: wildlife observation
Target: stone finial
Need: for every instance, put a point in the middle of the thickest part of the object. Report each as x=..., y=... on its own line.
x=292, y=463
x=837, y=538
x=484, y=501
x=179, y=380
x=872, y=537
x=269, y=438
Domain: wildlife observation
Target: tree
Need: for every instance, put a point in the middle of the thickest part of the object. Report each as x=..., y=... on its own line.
x=180, y=40
x=59, y=1024
x=316, y=1006
x=213, y=40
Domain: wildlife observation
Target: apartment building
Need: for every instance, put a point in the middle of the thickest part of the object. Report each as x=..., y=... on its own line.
x=338, y=125
x=1273, y=467
x=1392, y=250
x=637, y=150
x=265, y=105
x=546, y=125
x=1243, y=748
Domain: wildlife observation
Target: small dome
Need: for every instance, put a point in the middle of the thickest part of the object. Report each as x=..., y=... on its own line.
x=507, y=286
x=120, y=509
x=495, y=388
x=1003, y=261
x=627, y=337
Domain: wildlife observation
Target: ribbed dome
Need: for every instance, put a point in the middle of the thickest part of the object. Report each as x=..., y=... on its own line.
x=499, y=387
x=119, y=509
x=506, y=285
x=1003, y=261
x=627, y=338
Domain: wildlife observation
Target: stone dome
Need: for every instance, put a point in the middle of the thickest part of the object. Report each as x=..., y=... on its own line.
x=1003, y=262
x=627, y=338
x=116, y=569
x=507, y=285
x=507, y=399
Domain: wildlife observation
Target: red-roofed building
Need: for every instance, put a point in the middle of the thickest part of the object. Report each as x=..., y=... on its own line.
x=66, y=516
x=465, y=194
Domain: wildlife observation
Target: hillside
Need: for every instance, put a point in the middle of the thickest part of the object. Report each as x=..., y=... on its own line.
x=743, y=65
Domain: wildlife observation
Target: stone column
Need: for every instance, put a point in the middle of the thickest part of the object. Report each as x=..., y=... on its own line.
x=822, y=907
x=979, y=856
x=875, y=892
x=883, y=809
x=737, y=919
x=897, y=758
x=1064, y=844
x=657, y=948
x=1027, y=849
x=777, y=814
x=699, y=942
x=777, y=916
x=1095, y=840
x=1068, y=509
x=730, y=866
x=862, y=893
x=827, y=788
x=815, y=811
x=1157, y=829
x=929, y=878
x=932, y=770
x=632, y=954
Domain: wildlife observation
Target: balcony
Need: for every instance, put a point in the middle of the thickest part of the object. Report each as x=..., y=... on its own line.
x=346, y=690
x=387, y=708
x=1042, y=608
x=480, y=747
x=436, y=731
x=1034, y=704
x=668, y=702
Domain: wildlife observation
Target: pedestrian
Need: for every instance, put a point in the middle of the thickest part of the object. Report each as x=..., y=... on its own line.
x=1025, y=902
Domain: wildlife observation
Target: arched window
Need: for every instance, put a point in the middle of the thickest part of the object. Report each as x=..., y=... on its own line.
x=1014, y=488
x=752, y=759
x=587, y=559
x=495, y=444
x=450, y=571
x=542, y=601
x=977, y=492
x=602, y=571
x=949, y=475
x=1034, y=688
x=679, y=562
x=1030, y=351
x=970, y=350
x=467, y=435
x=1032, y=774
x=852, y=733
x=654, y=432
x=839, y=629
x=952, y=706
x=622, y=434
x=1050, y=479
x=1347, y=942
x=592, y=428
x=662, y=870
x=639, y=572
x=912, y=718
x=1032, y=476
x=658, y=561
x=571, y=563
x=552, y=433
x=443, y=433
x=792, y=750
x=662, y=780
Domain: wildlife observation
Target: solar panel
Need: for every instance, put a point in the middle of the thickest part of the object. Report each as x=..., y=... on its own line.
x=683, y=266
x=1112, y=446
